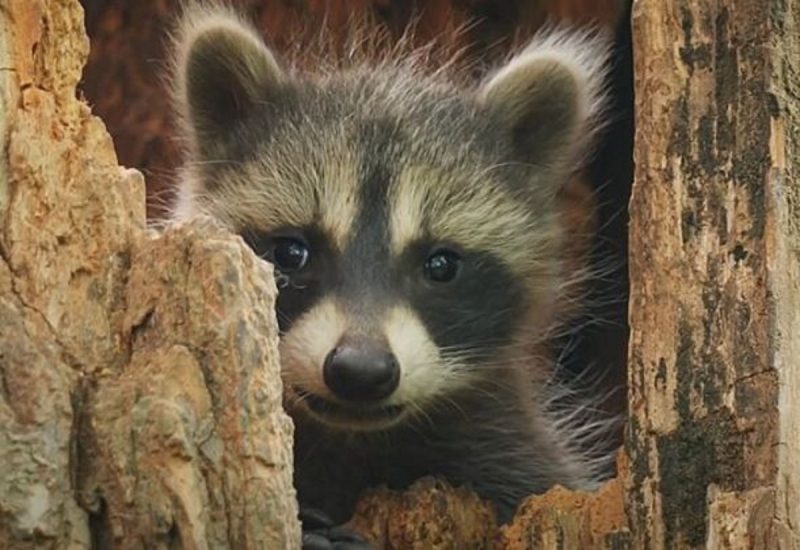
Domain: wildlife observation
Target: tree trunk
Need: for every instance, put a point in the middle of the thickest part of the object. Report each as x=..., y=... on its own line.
x=140, y=394
x=714, y=371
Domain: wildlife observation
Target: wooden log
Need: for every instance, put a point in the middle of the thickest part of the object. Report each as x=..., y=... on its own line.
x=140, y=393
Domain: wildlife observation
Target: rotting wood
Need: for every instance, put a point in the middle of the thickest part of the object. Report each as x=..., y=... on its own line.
x=714, y=373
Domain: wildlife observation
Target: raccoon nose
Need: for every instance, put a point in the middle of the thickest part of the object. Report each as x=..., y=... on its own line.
x=360, y=373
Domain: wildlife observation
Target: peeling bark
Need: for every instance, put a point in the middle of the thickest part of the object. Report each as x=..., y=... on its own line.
x=429, y=515
x=567, y=519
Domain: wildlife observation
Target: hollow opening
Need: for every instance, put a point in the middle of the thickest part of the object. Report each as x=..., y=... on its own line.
x=123, y=83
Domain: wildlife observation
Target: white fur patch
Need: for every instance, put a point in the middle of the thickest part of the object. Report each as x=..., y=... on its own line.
x=303, y=348
x=405, y=219
x=424, y=373
x=338, y=189
x=453, y=207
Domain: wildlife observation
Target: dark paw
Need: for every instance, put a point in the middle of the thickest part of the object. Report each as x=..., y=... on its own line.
x=319, y=533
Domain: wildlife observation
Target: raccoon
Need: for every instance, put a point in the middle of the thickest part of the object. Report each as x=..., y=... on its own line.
x=412, y=223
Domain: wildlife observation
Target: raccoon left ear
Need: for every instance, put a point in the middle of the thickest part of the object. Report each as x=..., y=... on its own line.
x=551, y=96
x=223, y=70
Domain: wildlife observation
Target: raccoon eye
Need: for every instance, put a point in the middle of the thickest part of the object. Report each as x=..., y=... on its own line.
x=290, y=254
x=442, y=266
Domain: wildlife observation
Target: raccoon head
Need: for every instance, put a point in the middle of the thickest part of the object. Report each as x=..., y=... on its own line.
x=410, y=221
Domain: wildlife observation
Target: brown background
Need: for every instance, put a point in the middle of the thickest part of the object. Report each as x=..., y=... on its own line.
x=124, y=78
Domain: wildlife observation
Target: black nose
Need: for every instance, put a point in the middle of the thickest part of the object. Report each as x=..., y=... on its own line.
x=358, y=372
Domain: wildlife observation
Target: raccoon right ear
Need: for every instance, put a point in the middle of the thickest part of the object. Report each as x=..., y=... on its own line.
x=223, y=70
x=551, y=95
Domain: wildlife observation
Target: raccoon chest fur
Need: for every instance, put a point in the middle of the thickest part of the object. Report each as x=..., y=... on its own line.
x=412, y=223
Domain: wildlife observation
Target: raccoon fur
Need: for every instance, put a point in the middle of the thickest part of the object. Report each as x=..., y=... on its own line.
x=412, y=224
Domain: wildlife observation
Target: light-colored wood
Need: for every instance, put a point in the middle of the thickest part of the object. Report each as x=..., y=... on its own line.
x=140, y=393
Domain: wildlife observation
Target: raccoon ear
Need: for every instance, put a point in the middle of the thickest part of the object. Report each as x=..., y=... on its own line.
x=551, y=96
x=223, y=71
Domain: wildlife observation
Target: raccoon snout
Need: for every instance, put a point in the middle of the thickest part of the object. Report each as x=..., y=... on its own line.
x=360, y=372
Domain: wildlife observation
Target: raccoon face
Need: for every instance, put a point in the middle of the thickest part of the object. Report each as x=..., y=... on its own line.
x=411, y=223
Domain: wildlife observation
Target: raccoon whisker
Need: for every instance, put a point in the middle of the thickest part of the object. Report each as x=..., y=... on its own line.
x=470, y=322
x=479, y=366
x=224, y=162
x=163, y=199
x=420, y=414
x=482, y=361
x=445, y=406
x=493, y=396
x=468, y=167
x=501, y=346
x=484, y=352
x=299, y=385
x=283, y=317
x=298, y=398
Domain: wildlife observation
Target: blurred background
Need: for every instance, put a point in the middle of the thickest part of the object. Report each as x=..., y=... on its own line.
x=124, y=84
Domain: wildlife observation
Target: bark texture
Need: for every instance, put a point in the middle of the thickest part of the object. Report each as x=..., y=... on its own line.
x=714, y=370
x=429, y=515
x=433, y=515
x=569, y=519
x=140, y=396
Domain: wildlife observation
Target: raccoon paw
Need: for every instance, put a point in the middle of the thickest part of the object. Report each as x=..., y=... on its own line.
x=320, y=533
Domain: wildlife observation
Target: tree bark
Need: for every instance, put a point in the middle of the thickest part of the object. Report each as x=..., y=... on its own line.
x=714, y=374
x=140, y=394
